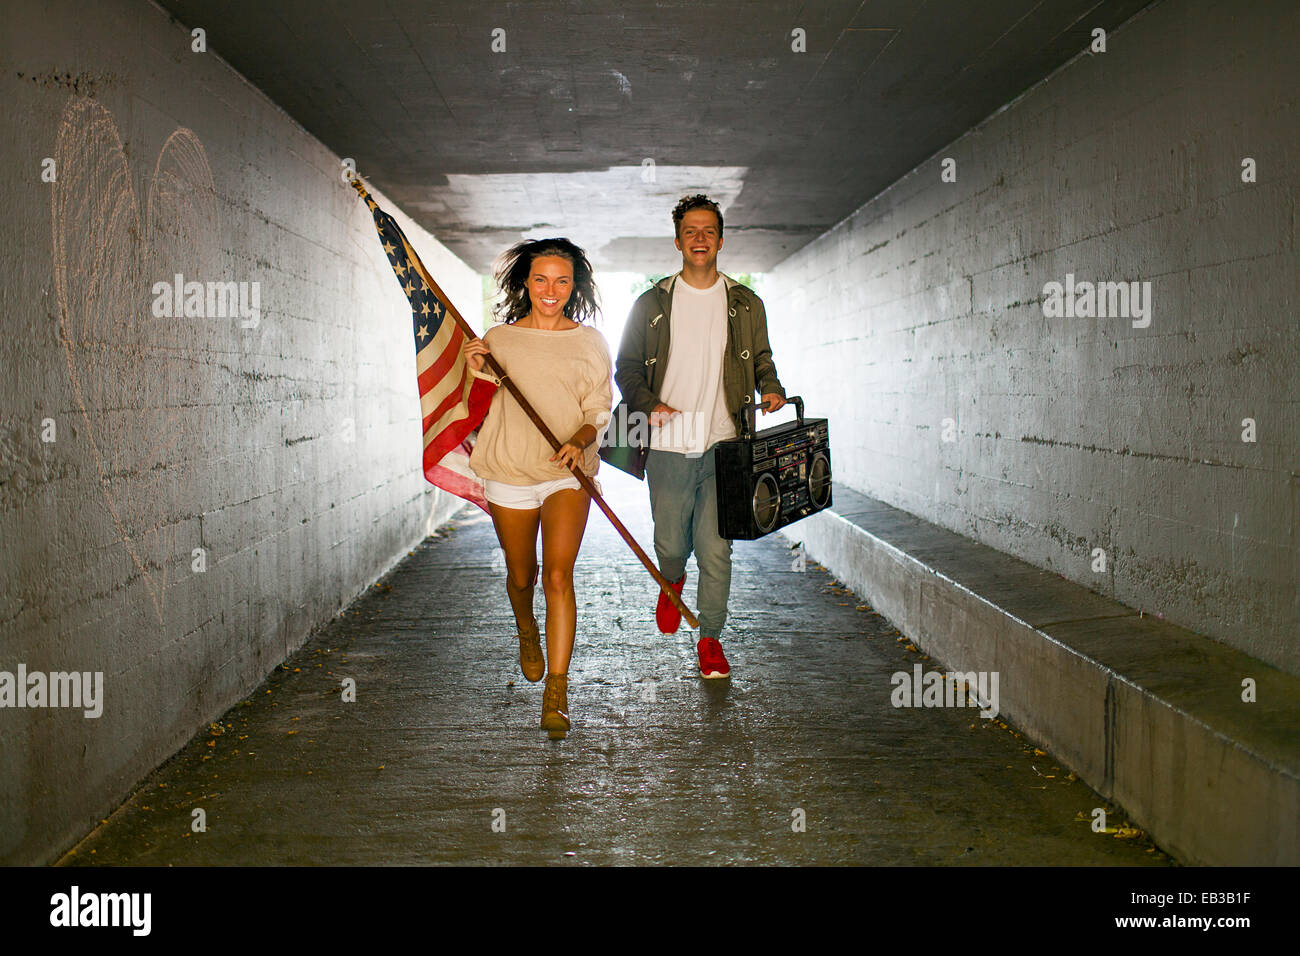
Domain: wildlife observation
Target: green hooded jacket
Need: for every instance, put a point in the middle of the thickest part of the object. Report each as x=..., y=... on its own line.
x=747, y=366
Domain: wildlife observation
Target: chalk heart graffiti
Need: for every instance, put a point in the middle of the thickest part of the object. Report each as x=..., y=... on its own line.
x=128, y=368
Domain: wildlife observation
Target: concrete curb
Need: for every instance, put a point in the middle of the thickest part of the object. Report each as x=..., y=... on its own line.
x=1147, y=713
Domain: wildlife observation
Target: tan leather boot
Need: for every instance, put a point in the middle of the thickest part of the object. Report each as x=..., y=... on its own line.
x=555, y=705
x=531, y=660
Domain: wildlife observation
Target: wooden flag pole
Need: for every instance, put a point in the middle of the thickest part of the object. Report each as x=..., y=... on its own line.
x=586, y=482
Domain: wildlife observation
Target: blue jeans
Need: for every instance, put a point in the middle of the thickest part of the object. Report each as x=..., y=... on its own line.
x=684, y=504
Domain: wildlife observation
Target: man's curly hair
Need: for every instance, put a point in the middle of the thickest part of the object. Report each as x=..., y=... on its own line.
x=698, y=201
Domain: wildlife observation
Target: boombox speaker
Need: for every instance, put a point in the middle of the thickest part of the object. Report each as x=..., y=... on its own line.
x=768, y=479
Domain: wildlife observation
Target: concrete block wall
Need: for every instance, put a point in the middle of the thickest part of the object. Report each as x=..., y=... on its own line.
x=917, y=325
x=288, y=451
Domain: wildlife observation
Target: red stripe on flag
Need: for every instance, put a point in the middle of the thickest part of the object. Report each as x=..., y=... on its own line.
x=444, y=363
x=450, y=440
x=457, y=397
x=452, y=474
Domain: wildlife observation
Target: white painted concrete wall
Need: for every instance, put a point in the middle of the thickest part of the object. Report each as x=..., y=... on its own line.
x=181, y=433
x=1071, y=434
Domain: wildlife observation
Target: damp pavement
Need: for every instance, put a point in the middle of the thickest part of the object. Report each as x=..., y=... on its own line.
x=799, y=758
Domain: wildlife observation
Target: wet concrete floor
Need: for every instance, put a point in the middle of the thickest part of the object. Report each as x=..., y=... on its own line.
x=799, y=758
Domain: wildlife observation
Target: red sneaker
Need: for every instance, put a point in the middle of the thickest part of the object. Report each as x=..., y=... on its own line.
x=666, y=614
x=712, y=661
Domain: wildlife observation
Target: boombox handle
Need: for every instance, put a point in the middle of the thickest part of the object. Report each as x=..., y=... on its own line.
x=748, y=421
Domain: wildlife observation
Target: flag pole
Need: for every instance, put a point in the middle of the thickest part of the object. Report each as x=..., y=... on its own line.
x=586, y=482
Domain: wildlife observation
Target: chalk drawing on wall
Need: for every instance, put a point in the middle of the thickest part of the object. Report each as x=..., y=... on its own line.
x=128, y=368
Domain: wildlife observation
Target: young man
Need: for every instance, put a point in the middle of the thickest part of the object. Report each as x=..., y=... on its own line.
x=693, y=354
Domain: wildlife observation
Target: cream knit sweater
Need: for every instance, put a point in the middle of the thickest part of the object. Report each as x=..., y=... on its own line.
x=565, y=375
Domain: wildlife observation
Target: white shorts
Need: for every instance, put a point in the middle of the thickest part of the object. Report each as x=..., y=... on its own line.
x=528, y=497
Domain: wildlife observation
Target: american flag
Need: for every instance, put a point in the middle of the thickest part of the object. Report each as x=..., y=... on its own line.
x=453, y=401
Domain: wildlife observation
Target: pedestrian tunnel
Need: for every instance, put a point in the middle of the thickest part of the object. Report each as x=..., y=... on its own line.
x=1034, y=268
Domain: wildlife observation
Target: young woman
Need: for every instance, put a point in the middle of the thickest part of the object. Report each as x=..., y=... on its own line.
x=563, y=369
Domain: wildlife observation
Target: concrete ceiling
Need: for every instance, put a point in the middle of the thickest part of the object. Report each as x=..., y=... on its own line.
x=556, y=135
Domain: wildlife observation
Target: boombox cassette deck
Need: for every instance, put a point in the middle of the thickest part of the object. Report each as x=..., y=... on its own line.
x=769, y=479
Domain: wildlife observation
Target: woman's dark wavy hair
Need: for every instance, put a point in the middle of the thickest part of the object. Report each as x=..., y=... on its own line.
x=512, y=280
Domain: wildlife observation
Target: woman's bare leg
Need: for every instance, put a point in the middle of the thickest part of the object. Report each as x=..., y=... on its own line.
x=564, y=519
x=517, y=532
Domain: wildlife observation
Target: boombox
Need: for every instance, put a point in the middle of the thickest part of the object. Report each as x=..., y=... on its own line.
x=768, y=479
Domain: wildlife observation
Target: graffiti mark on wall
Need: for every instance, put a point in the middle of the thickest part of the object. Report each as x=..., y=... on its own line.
x=127, y=366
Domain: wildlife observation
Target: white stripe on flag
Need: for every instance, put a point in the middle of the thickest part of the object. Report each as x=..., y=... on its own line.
x=431, y=351
x=454, y=414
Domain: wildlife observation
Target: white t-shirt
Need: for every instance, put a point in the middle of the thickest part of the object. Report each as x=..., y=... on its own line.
x=693, y=382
